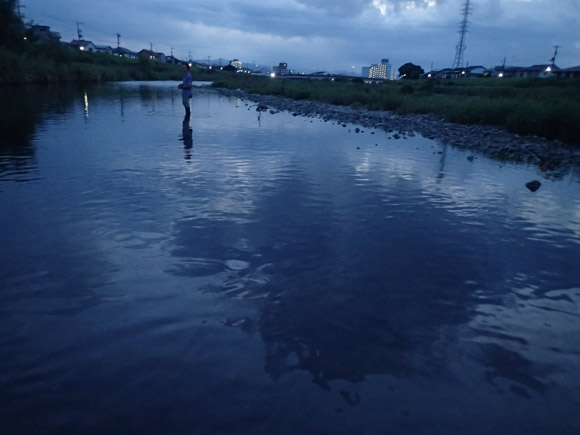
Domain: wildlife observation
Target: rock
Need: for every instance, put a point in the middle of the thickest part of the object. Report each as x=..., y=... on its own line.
x=533, y=185
x=396, y=136
x=470, y=158
x=357, y=130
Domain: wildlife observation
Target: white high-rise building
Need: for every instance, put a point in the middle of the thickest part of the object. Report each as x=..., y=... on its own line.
x=381, y=70
x=236, y=64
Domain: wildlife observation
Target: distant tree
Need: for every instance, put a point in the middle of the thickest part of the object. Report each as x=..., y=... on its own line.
x=410, y=71
x=230, y=68
x=12, y=28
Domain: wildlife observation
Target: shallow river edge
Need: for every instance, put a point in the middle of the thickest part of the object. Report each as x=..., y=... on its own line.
x=551, y=156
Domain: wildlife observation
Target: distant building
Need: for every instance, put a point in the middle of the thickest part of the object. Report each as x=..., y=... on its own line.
x=381, y=70
x=124, y=52
x=541, y=71
x=455, y=73
x=173, y=60
x=43, y=34
x=152, y=55
x=104, y=49
x=568, y=73
x=281, y=69
x=83, y=45
x=236, y=64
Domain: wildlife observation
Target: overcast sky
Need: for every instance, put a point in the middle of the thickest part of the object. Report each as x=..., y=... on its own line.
x=330, y=35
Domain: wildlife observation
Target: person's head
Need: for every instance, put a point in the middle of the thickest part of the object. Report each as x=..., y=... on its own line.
x=185, y=68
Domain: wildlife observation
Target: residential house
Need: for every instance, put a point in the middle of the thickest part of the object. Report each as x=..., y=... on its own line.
x=124, y=52
x=173, y=60
x=445, y=73
x=83, y=45
x=104, y=49
x=541, y=71
x=568, y=73
x=152, y=55
x=455, y=73
x=43, y=34
x=475, y=71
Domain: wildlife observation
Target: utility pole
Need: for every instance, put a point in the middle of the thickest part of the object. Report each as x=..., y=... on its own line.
x=18, y=8
x=553, y=60
x=209, y=61
x=151, y=46
x=79, y=31
x=172, y=48
x=118, y=40
x=190, y=55
x=463, y=29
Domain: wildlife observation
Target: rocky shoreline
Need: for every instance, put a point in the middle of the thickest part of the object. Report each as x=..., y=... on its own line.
x=554, y=158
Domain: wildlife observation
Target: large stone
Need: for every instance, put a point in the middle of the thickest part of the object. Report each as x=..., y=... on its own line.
x=533, y=185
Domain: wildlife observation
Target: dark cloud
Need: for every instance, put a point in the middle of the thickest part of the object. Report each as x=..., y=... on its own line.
x=328, y=34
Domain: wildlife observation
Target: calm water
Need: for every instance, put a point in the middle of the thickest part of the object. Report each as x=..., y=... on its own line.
x=274, y=275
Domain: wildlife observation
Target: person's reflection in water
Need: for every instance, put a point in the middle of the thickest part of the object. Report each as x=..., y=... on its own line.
x=187, y=139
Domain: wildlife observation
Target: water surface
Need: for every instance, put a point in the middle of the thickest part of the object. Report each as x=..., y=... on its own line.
x=264, y=273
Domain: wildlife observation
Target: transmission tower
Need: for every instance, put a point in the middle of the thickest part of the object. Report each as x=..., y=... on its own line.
x=463, y=29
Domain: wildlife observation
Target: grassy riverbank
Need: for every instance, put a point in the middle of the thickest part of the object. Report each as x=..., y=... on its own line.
x=53, y=63
x=543, y=107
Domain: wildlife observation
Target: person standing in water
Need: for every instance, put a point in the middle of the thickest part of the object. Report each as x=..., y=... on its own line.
x=185, y=87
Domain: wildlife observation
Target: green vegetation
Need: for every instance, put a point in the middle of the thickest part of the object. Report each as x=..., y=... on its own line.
x=410, y=71
x=53, y=63
x=543, y=107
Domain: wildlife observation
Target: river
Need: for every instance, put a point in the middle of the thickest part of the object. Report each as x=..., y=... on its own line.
x=262, y=273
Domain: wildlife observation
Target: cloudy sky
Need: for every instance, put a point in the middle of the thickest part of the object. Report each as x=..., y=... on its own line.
x=330, y=35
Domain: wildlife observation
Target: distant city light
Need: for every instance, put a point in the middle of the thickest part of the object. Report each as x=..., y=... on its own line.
x=548, y=69
x=82, y=48
x=429, y=75
x=272, y=75
x=462, y=72
x=500, y=75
